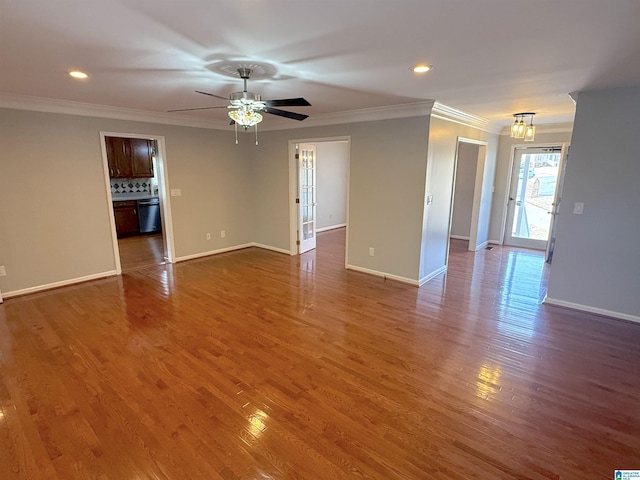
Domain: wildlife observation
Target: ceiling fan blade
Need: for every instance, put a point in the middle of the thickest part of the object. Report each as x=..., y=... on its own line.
x=189, y=109
x=213, y=95
x=288, y=102
x=284, y=113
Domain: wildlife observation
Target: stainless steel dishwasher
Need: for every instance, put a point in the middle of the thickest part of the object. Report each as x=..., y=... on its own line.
x=149, y=215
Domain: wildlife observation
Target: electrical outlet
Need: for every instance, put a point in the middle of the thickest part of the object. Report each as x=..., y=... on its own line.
x=208, y=236
x=176, y=192
x=371, y=251
x=223, y=234
x=429, y=199
x=3, y=271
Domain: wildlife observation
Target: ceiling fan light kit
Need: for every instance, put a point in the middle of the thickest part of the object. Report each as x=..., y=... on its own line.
x=244, y=106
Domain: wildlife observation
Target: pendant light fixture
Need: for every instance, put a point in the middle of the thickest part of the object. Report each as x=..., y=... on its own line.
x=519, y=129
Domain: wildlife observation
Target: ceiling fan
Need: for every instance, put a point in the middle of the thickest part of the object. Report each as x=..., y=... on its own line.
x=245, y=107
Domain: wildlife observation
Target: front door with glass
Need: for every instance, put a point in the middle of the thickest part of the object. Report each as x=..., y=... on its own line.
x=532, y=196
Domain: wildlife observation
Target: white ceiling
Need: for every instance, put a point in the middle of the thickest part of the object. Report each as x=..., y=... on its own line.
x=492, y=57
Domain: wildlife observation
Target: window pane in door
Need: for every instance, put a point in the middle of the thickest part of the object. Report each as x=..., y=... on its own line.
x=537, y=179
x=307, y=231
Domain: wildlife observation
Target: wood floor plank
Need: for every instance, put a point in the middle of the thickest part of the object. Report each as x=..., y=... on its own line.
x=253, y=364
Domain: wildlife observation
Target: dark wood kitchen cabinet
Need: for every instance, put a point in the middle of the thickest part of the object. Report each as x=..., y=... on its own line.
x=118, y=157
x=126, y=215
x=130, y=157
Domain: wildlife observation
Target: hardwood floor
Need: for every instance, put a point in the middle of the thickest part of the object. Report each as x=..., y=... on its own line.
x=257, y=365
x=141, y=251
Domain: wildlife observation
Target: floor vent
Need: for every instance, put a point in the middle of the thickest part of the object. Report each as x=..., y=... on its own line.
x=488, y=248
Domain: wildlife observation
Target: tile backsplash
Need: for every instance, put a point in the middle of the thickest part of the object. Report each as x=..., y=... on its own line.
x=131, y=185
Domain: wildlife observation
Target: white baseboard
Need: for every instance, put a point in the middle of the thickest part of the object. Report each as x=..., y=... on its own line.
x=459, y=237
x=482, y=245
x=63, y=283
x=213, y=252
x=383, y=274
x=111, y=273
x=273, y=249
x=332, y=227
x=495, y=242
x=432, y=275
x=231, y=249
x=587, y=308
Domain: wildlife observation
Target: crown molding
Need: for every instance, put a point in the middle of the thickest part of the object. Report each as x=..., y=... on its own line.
x=418, y=109
x=450, y=114
x=51, y=105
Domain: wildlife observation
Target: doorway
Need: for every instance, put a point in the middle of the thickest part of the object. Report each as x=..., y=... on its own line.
x=318, y=188
x=471, y=196
x=533, y=196
x=139, y=209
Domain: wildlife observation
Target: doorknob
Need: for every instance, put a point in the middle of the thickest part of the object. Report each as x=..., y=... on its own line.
x=511, y=198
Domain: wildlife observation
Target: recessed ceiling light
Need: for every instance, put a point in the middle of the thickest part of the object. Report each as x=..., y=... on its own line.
x=78, y=74
x=422, y=68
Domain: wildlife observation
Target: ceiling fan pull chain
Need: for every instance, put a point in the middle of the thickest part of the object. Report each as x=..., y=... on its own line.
x=256, y=133
x=236, y=126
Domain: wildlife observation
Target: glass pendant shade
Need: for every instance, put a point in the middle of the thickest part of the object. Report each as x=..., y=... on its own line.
x=514, y=128
x=245, y=117
x=521, y=129
x=530, y=133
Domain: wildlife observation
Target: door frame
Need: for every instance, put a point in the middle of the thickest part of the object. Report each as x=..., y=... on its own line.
x=163, y=188
x=293, y=189
x=481, y=165
x=538, y=146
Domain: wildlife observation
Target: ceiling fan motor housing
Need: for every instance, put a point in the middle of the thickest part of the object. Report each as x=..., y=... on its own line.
x=244, y=106
x=246, y=99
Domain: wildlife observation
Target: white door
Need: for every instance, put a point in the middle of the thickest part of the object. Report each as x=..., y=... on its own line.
x=532, y=195
x=306, y=197
x=556, y=204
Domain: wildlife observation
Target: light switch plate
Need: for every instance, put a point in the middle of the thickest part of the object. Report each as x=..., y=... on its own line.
x=3, y=271
x=429, y=199
x=578, y=208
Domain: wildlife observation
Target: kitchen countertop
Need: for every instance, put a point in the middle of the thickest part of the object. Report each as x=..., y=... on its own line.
x=121, y=197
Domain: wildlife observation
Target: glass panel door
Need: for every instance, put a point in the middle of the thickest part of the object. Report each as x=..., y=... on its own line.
x=307, y=196
x=532, y=195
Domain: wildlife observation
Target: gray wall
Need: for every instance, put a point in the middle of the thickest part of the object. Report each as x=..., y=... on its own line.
x=332, y=174
x=386, y=192
x=466, y=167
x=596, y=263
x=484, y=196
x=54, y=213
